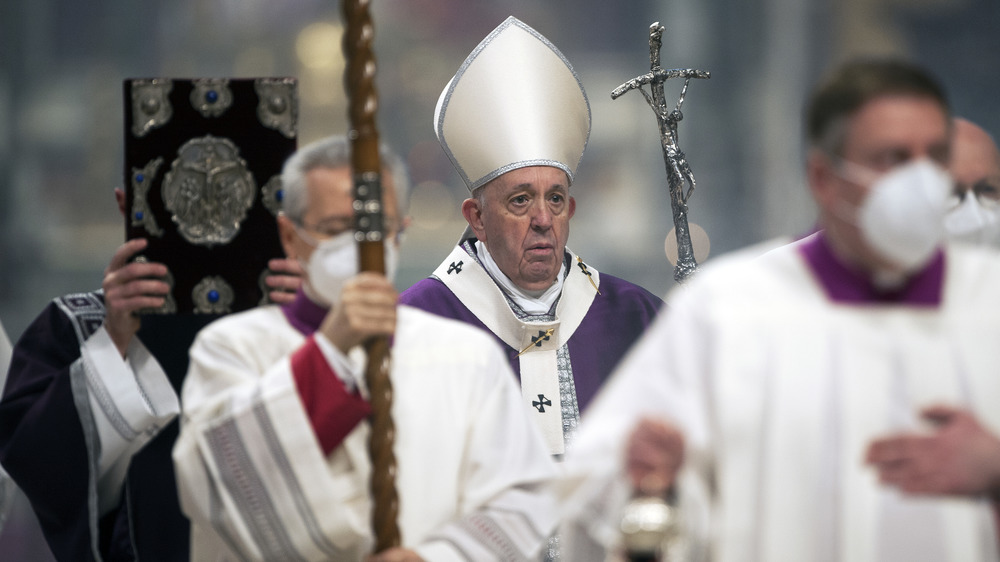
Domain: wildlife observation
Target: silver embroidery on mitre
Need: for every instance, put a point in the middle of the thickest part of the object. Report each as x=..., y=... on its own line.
x=209, y=190
x=142, y=181
x=278, y=106
x=150, y=105
x=212, y=295
x=271, y=194
x=211, y=96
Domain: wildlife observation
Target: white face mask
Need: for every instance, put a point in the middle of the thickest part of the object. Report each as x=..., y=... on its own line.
x=335, y=260
x=973, y=223
x=902, y=217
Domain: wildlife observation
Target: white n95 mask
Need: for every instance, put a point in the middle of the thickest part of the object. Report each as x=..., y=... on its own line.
x=974, y=223
x=902, y=218
x=331, y=264
x=335, y=260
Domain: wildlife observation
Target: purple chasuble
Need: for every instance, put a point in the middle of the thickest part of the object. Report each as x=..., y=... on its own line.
x=847, y=286
x=615, y=320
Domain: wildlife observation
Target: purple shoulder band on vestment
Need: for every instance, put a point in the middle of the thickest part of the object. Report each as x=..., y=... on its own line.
x=846, y=286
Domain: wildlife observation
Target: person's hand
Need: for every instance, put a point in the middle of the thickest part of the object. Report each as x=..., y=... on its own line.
x=653, y=456
x=129, y=287
x=396, y=554
x=367, y=308
x=959, y=457
x=285, y=280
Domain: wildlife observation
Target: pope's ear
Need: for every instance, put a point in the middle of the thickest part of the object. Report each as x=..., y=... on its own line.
x=472, y=210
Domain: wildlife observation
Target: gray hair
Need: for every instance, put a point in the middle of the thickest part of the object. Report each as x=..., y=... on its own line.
x=333, y=152
x=479, y=194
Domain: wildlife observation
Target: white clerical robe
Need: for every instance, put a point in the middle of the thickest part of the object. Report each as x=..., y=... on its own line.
x=254, y=481
x=779, y=392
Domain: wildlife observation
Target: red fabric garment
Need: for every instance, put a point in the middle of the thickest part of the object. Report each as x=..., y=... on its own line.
x=332, y=410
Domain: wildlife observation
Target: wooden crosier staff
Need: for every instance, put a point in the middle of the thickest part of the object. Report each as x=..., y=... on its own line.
x=359, y=81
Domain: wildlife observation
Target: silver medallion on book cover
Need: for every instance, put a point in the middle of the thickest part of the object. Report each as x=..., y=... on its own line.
x=212, y=295
x=278, y=107
x=209, y=190
x=150, y=105
x=271, y=194
x=211, y=96
x=142, y=181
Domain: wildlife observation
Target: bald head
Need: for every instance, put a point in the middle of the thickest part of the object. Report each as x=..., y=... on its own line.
x=974, y=155
x=975, y=165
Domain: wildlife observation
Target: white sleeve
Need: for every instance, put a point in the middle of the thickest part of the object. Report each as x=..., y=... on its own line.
x=131, y=400
x=664, y=377
x=340, y=363
x=509, y=507
x=251, y=474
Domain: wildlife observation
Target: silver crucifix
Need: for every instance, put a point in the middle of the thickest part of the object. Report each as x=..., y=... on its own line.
x=679, y=174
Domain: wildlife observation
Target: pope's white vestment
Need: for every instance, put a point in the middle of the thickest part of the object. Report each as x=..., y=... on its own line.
x=256, y=484
x=779, y=391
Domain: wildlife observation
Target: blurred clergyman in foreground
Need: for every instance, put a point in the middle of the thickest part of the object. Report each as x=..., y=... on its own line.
x=272, y=461
x=763, y=398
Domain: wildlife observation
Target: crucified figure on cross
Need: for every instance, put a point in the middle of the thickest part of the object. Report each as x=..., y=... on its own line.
x=679, y=175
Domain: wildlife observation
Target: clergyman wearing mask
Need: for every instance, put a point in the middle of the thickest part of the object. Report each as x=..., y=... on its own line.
x=316, y=224
x=276, y=397
x=838, y=385
x=881, y=183
x=974, y=206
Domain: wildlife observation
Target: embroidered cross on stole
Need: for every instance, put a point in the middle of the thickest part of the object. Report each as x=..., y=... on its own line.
x=537, y=342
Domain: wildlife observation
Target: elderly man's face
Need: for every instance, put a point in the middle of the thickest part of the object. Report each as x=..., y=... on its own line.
x=330, y=211
x=524, y=223
x=884, y=133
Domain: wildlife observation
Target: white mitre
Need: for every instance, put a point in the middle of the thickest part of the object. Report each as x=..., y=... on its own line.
x=514, y=102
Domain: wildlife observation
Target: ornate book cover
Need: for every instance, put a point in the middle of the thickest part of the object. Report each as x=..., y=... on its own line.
x=203, y=162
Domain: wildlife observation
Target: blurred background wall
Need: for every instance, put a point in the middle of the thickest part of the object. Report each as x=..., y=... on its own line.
x=61, y=135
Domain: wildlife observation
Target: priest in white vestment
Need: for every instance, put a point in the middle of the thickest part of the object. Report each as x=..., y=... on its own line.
x=272, y=460
x=762, y=398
